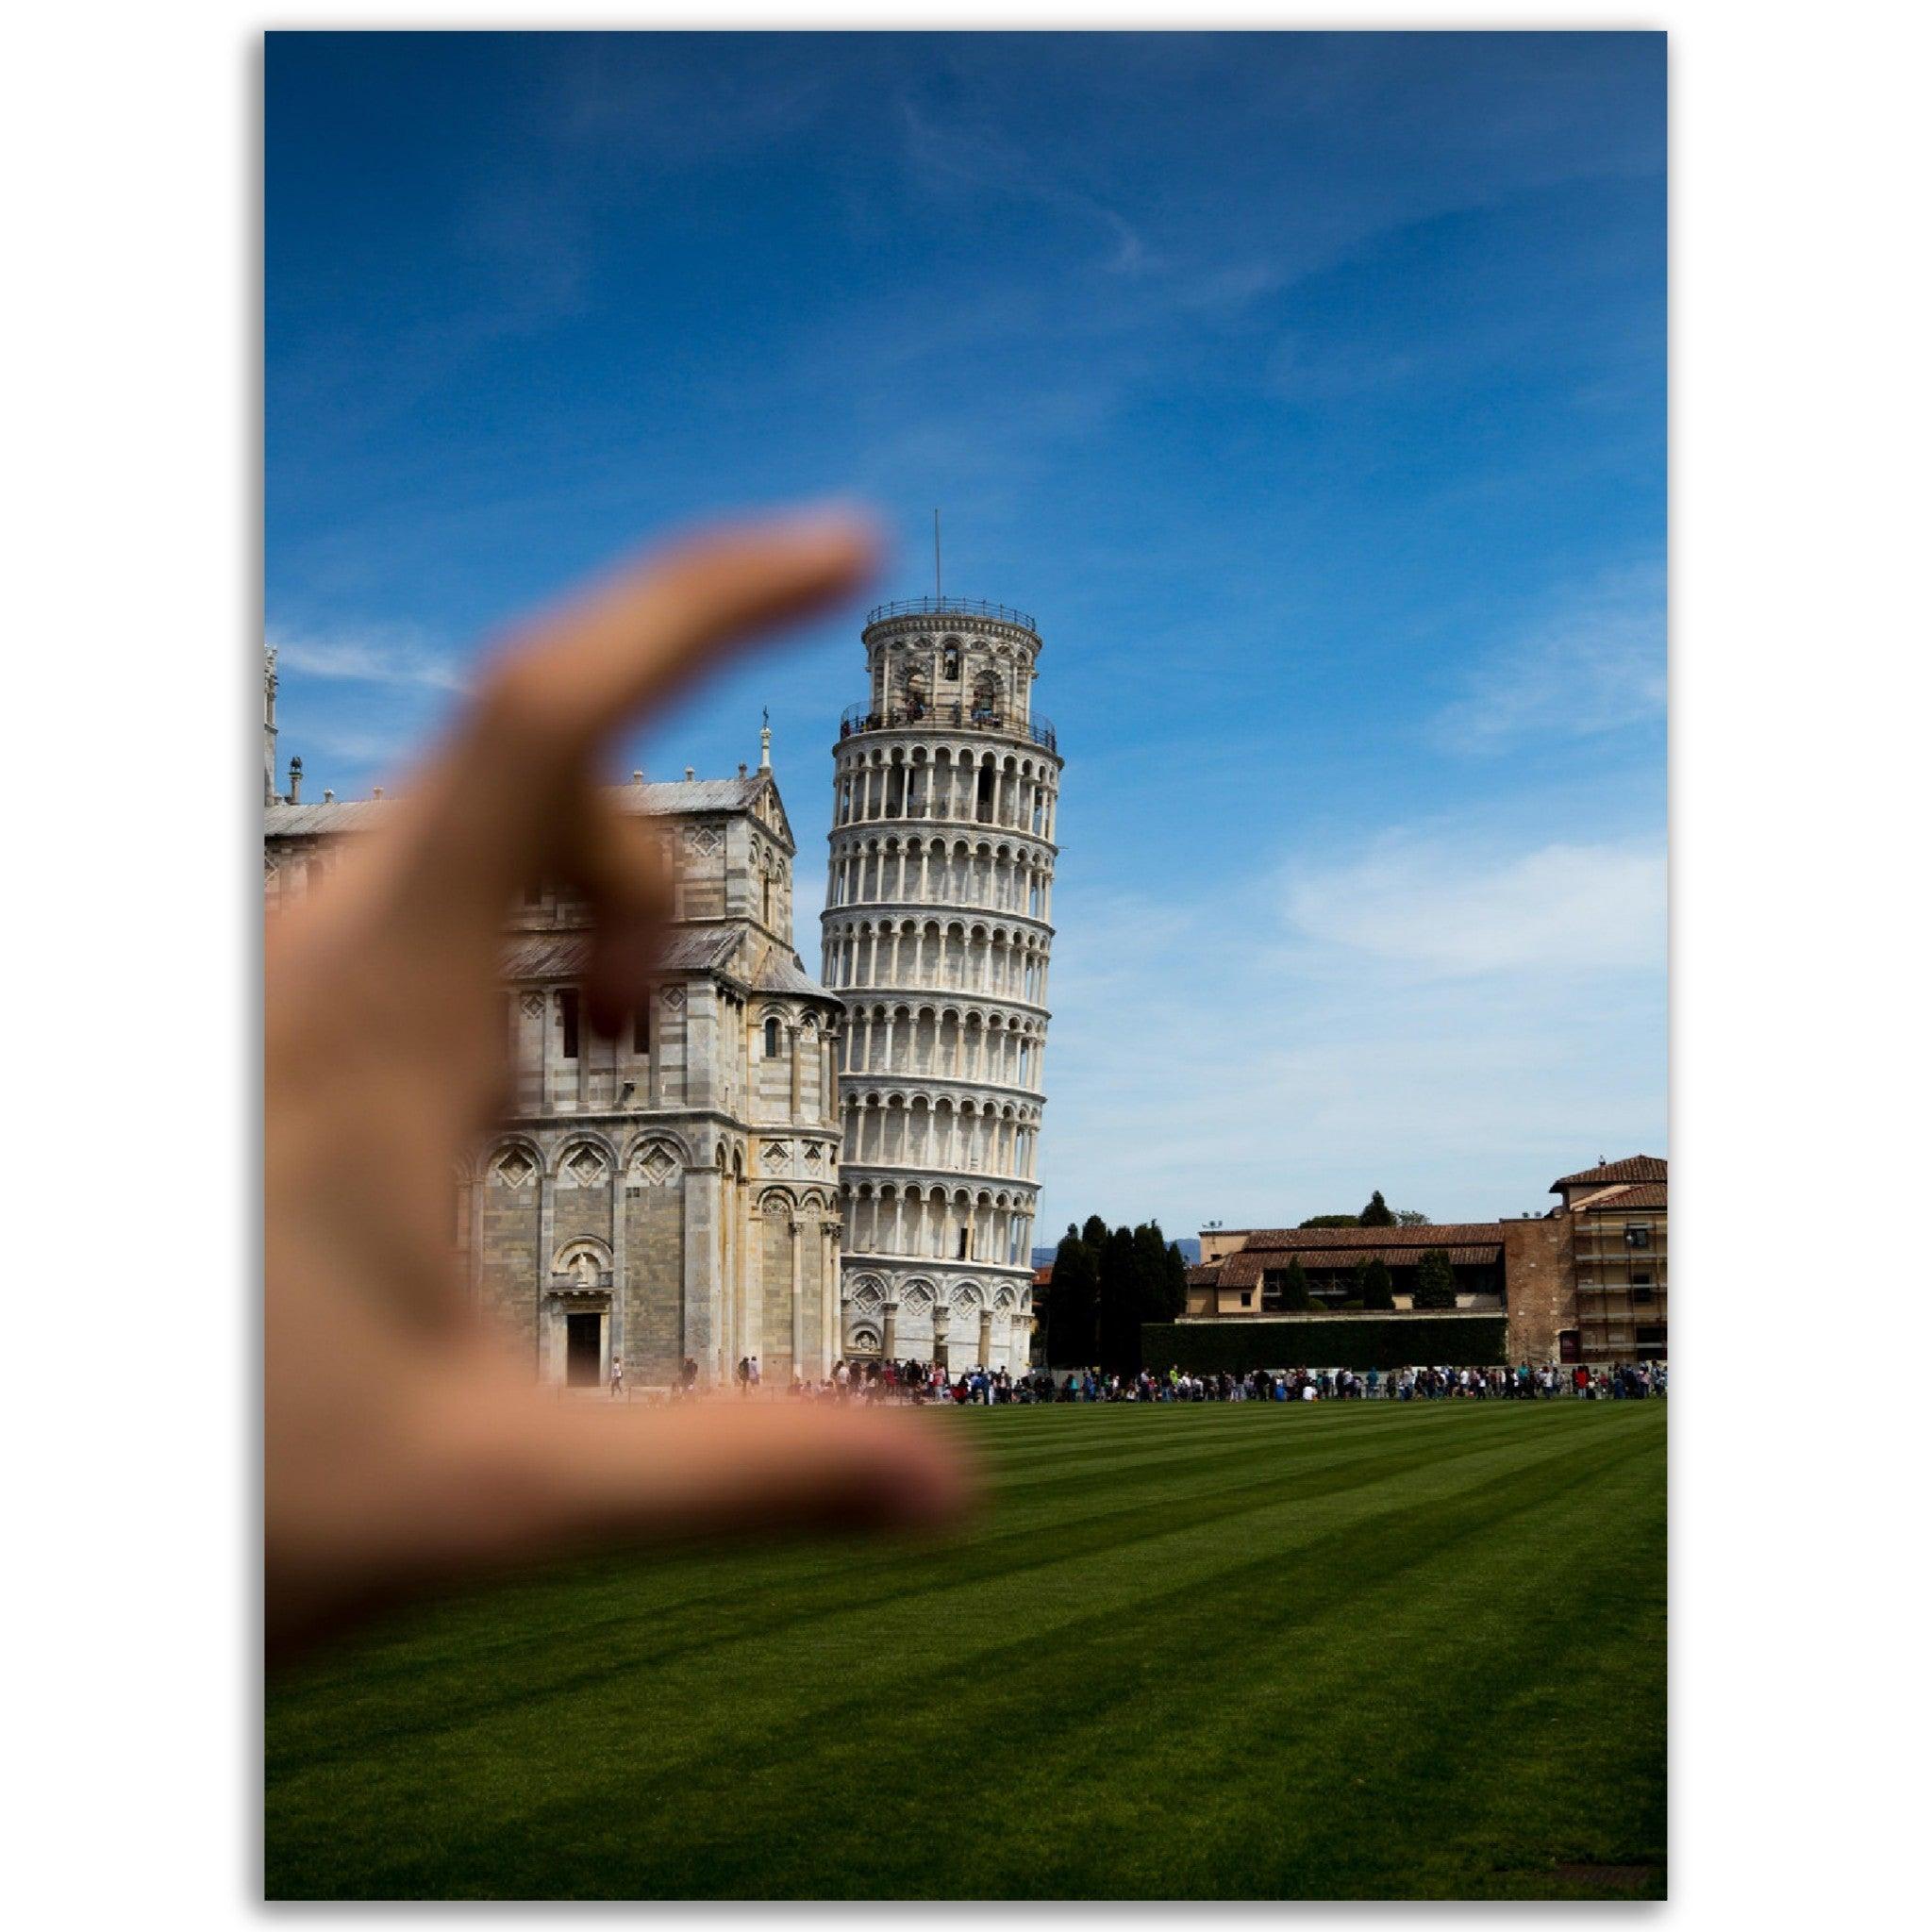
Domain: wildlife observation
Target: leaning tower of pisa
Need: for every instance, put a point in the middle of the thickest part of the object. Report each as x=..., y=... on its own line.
x=937, y=925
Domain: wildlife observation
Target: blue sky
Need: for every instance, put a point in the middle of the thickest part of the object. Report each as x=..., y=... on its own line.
x=1308, y=389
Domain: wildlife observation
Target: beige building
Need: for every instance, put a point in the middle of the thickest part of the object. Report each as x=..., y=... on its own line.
x=672, y=1194
x=1583, y=1283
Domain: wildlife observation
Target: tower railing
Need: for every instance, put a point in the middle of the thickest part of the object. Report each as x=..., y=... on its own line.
x=952, y=715
x=949, y=607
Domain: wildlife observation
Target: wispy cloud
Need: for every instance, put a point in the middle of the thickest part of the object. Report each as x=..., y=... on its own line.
x=373, y=654
x=1421, y=1015
x=1592, y=663
x=1433, y=909
x=982, y=158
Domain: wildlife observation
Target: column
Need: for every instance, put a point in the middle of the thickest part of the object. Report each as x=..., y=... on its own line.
x=797, y=1227
x=546, y=1237
x=985, y=1337
x=700, y=1327
x=831, y=1329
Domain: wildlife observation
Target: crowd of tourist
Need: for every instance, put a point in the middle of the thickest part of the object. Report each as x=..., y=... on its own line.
x=925, y=1382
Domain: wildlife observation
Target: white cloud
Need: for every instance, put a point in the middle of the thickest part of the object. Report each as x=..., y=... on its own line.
x=373, y=654
x=1449, y=1020
x=1432, y=909
x=1593, y=664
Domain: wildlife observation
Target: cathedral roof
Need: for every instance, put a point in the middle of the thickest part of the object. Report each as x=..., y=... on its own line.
x=658, y=798
x=782, y=973
x=567, y=955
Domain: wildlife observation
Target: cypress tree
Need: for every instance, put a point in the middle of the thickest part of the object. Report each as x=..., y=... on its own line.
x=1070, y=1305
x=1175, y=1284
x=1378, y=1286
x=1119, y=1305
x=1294, y=1287
x=1435, y=1281
x=1377, y=1213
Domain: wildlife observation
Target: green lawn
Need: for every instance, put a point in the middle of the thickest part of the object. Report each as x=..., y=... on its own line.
x=1243, y=1651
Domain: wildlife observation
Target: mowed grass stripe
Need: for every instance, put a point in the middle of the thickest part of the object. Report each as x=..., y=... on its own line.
x=1092, y=1525
x=1368, y=1658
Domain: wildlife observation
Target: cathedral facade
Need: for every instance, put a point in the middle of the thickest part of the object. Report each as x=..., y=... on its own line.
x=937, y=935
x=670, y=1195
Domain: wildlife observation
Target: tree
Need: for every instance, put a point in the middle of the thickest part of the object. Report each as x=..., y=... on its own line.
x=1333, y=1221
x=1294, y=1287
x=1435, y=1281
x=1071, y=1299
x=1407, y=1217
x=1094, y=1234
x=1377, y=1213
x=1377, y=1286
x=1176, y=1282
x=1359, y=1280
x=1120, y=1304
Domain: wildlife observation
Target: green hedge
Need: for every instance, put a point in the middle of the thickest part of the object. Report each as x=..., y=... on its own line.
x=1391, y=1342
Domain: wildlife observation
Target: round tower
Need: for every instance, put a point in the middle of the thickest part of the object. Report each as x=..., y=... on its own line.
x=937, y=927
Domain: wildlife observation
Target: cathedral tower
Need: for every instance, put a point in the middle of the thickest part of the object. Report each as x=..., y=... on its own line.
x=936, y=931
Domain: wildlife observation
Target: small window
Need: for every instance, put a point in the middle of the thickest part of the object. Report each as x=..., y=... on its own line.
x=770, y=1039
x=951, y=662
x=1636, y=1235
x=1642, y=1293
x=567, y=1008
x=961, y=1255
x=1248, y=1297
x=641, y=1027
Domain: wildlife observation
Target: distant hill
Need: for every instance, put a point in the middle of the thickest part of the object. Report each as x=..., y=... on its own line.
x=1188, y=1245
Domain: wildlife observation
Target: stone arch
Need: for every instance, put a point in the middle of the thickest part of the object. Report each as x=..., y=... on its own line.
x=585, y=1160
x=584, y=1257
x=514, y=1162
x=639, y=1164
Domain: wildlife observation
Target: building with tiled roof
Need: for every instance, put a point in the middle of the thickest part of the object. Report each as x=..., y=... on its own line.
x=1585, y=1283
x=670, y=1195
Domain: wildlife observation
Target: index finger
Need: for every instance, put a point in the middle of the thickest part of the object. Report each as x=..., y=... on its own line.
x=488, y=810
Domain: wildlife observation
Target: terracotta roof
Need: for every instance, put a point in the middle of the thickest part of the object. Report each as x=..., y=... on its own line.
x=1633, y=1167
x=1614, y=1200
x=1205, y=1274
x=1043, y=1277
x=1246, y=1268
x=1446, y=1234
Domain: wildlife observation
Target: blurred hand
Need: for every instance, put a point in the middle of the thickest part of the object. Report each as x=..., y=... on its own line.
x=406, y=1443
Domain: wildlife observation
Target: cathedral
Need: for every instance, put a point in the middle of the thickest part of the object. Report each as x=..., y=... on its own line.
x=671, y=1195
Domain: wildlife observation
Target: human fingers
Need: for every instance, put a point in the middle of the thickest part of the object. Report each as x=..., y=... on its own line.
x=492, y=811
x=488, y=1474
